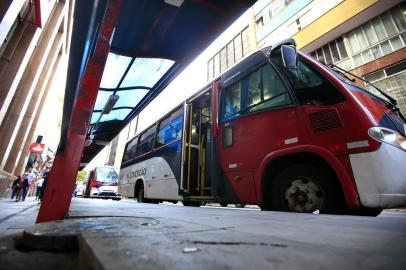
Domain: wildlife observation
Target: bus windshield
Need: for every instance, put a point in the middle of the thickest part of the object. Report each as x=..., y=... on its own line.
x=309, y=85
x=107, y=175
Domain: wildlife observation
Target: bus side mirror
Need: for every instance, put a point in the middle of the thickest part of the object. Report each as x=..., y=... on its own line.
x=289, y=57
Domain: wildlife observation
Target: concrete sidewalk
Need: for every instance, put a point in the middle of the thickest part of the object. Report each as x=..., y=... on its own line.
x=103, y=234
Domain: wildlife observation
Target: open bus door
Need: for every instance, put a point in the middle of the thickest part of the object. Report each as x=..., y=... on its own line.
x=195, y=175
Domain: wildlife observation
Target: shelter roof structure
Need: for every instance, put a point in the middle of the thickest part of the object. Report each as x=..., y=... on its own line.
x=153, y=41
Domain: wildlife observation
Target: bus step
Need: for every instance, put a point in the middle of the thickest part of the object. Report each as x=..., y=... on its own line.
x=200, y=198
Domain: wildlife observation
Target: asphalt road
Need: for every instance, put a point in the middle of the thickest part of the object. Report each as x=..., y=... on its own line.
x=131, y=235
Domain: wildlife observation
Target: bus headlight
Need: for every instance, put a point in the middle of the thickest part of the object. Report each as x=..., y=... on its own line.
x=389, y=136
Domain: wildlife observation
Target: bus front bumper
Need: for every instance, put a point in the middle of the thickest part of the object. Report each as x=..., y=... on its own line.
x=380, y=177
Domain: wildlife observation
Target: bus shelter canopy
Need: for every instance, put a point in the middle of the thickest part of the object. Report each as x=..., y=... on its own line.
x=153, y=41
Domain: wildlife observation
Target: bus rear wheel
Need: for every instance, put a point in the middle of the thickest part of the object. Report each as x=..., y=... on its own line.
x=305, y=188
x=368, y=212
x=190, y=203
x=140, y=194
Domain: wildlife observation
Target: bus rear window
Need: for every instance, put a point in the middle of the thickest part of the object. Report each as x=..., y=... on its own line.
x=309, y=85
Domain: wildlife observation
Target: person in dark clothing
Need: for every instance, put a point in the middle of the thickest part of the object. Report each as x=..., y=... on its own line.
x=44, y=184
x=25, y=186
x=15, y=186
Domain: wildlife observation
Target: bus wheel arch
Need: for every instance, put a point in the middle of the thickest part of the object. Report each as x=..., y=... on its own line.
x=309, y=165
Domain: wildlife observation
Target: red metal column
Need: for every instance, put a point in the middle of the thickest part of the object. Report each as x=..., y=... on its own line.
x=58, y=195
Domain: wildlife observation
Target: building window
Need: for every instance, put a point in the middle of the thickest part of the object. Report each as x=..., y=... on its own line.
x=223, y=59
x=237, y=47
x=392, y=80
x=245, y=42
x=210, y=69
x=230, y=53
x=259, y=22
x=216, y=65
x=380, y=36
x=234, y=51
x=332, y=52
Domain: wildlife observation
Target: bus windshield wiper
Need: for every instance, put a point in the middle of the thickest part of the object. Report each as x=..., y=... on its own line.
x=392, y=101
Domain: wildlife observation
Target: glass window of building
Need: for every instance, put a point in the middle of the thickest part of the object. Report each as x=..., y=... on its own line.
x=235, y=50
x=210, y=69
x=370, y=33
x=245, y=42
x=238, y=47
x=223, y=59
x=388, y=23
x=259, y=22
x=398, y=17
x=380, y=36
x=230, y=53
x=216, y=64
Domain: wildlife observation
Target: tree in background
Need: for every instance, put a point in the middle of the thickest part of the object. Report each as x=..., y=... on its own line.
x=81, y=176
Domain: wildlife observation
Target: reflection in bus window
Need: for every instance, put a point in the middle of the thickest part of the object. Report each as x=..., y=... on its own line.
x=254, y=88
x=170, y=129
x=146, y=140
x=232, y=100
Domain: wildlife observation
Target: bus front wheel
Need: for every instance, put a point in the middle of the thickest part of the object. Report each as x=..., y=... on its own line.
x=304, y=188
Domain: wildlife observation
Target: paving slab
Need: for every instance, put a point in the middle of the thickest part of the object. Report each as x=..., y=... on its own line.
x=102, y=234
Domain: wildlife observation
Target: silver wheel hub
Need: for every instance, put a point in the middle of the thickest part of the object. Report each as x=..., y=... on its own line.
x=303, y=195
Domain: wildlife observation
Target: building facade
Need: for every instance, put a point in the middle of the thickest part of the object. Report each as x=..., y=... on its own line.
x=366, y=37
x=34, y=41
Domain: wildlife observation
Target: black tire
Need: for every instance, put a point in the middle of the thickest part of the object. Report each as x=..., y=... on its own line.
x=193, y=204
x=305, y=188
x=367, y=212
x=240, y=205
x=223, y=204
x=140, y=194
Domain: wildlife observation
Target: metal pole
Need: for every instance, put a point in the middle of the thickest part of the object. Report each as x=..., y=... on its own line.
x=58, y=192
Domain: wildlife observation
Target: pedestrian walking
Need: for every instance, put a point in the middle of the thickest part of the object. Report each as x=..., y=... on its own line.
x=15, y=186
x=39, y=188
x=18, y=189
x=32, y=177
x=25, y=186
x=44, y=184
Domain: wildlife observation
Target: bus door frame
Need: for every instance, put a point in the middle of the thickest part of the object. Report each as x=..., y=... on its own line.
x=187, y=146
x=184, y=183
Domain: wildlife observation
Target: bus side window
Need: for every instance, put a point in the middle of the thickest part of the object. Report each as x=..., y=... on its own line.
x=146, y=141
x=177, y=124
x=231, y=100
x=265, y=90
x=254, y=88
x=170, y=129
x=163, y=136
x=130, y=149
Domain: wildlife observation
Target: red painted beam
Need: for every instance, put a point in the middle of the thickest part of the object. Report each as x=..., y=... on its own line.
x=58, y=193
x=37, y=5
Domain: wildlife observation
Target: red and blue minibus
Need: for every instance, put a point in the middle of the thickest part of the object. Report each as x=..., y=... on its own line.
x=279, y=130
x=102, y=182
